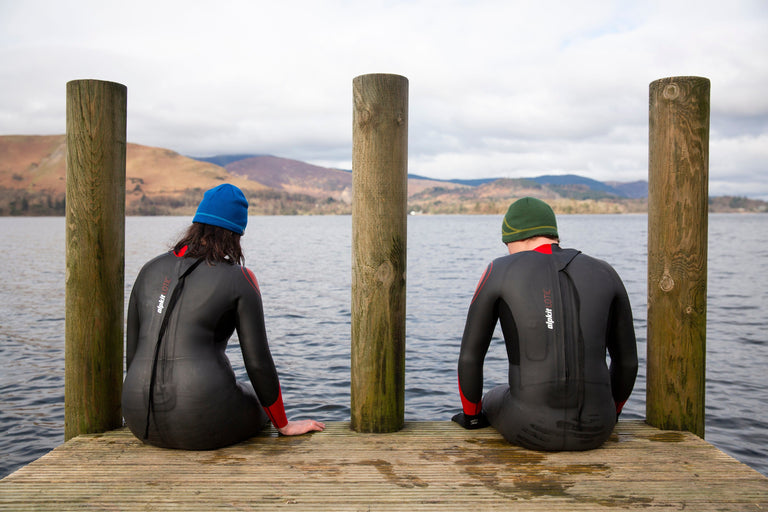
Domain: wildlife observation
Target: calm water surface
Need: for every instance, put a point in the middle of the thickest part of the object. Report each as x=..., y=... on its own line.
x=303, y=266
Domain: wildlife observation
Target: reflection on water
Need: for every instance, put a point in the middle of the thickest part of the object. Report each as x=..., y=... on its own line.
x=303, y=267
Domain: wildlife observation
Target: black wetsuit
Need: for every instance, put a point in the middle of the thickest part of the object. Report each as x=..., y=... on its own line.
x=197, y=402
x=559, y=311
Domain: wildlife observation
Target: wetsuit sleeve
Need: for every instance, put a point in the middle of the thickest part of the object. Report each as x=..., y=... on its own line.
x=622, y=347
x=478, y=331
x=253, y=343
x=132, y=329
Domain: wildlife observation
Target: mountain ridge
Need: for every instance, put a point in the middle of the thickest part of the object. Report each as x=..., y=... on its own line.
x=162, y=182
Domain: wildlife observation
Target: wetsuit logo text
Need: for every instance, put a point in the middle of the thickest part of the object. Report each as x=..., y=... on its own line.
x=548, y=315
x=161, y=300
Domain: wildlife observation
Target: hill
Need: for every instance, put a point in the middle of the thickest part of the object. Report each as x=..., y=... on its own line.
x=33, y=173
x=163, y=182
x=494, y=197
x=295, y=177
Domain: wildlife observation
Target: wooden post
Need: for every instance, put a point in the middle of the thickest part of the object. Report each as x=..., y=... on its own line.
x=379, y=216
x=677, y=252
x=95, y=251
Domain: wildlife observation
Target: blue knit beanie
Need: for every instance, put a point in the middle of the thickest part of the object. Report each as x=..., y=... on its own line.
x=224, y=206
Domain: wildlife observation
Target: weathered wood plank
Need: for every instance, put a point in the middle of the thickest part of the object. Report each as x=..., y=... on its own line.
x=425, y=466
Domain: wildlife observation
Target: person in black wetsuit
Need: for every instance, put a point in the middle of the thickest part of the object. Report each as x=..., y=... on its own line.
x=180, y=390
x=559, y=311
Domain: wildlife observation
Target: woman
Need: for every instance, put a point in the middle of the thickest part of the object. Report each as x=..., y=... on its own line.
x=180, y=390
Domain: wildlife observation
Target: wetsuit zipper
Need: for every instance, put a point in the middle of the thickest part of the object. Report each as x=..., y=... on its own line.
x=573, y=342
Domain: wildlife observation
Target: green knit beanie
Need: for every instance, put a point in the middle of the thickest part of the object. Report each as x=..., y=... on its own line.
x=526, y=218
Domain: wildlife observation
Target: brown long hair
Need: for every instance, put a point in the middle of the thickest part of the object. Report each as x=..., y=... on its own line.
x=215, y=244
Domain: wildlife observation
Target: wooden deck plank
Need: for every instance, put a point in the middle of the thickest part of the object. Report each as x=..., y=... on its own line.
x=425, y=466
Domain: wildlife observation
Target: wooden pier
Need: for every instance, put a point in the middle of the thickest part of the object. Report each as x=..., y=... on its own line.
x=425, y=466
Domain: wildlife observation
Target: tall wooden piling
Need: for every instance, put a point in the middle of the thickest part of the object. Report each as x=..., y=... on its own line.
x=95, y=251
x=379, y=217
x=677, y=252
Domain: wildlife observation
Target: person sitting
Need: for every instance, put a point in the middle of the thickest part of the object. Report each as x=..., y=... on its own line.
x=559, y=311
x=180, y=390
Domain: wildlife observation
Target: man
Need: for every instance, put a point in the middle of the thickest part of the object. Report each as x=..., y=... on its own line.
x=559, y=311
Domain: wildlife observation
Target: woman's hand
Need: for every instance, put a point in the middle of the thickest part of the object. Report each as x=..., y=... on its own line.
x=296, y=428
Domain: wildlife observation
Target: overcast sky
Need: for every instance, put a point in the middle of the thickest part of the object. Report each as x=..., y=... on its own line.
x=497, y=88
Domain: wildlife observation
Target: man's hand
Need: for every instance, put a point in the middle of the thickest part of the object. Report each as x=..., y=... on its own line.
x=471, y=422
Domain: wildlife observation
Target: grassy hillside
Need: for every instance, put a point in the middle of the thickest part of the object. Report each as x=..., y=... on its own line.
x=158, y=181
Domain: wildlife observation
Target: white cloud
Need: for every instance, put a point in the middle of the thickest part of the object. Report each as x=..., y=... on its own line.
x=496, y=88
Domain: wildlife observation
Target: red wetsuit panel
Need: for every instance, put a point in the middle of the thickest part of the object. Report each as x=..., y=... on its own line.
x=251, y=279
x=482, y=280
x=276, y=412
x=470, y=408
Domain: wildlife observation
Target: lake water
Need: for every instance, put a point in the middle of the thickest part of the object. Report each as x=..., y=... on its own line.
x=303, y=266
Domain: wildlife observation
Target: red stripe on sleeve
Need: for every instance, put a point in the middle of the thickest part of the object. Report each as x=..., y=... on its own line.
x=470, y=408
x=251, y=279
x=276, y=412
x=482, y=281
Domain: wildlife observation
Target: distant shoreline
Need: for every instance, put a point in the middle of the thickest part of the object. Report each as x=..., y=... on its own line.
x=411, y=213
